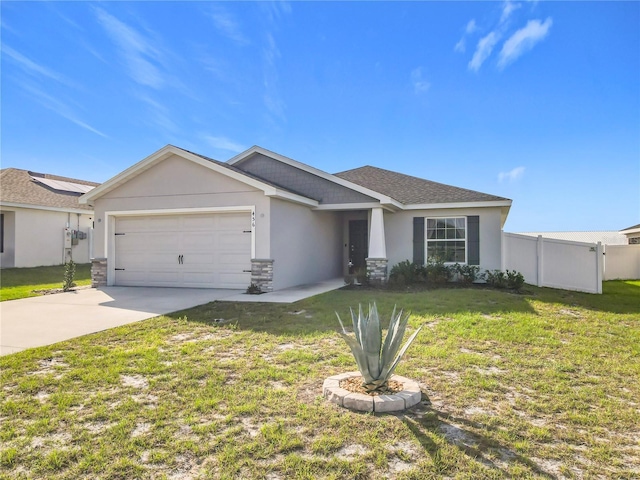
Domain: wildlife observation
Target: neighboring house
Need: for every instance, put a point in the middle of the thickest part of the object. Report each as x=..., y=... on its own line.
x=41, y=221
x=605, y=237
x=184, y=220
x=632, y=234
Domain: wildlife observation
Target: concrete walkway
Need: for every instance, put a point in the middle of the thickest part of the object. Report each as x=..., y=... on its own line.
x=38, y=321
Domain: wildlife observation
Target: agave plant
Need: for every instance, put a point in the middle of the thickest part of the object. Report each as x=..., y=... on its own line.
x=376, y=360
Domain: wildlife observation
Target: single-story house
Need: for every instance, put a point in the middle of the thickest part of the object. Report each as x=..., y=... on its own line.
x=41, y=221
x=180, y=219
x=632, y=234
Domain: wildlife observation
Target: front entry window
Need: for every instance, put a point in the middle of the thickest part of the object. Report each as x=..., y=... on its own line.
x=447, y=239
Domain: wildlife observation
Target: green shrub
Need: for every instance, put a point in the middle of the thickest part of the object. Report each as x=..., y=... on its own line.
x=496, y=278
x=437, y=271
x=515, y=280
x=467, y=274
x=69, y=275
x=254, y=289
x=407, y=273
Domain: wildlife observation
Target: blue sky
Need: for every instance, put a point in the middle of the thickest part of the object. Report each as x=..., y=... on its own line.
x=535, y=101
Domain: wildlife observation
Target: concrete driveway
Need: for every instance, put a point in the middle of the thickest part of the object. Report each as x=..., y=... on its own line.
x=39, y=321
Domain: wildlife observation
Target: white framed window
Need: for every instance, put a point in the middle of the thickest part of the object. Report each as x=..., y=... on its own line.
x=446, y=239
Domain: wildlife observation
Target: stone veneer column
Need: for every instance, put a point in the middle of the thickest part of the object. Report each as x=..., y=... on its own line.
x=262, y=273
x=98, y=272
x=377, y=270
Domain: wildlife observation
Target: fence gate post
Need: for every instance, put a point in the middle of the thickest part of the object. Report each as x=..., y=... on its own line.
x=599, y=266
x=540, y=261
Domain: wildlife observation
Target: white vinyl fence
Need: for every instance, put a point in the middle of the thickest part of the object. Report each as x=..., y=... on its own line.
x=622, y=262
x=547, y=262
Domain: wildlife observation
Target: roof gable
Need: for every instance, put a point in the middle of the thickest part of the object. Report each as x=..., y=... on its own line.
x=215, y=165
x=410, y=190
x=301, y=181
x=314, y=186
x=22, y=187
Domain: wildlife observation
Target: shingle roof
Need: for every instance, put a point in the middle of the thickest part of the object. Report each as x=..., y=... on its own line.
x=631, y=228
x=243, y=172
x=17, y=186
x=412, y=190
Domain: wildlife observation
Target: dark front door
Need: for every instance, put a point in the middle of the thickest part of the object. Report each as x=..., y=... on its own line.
x=358, y=245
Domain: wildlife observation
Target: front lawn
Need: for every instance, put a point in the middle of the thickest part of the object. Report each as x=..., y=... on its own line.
x=24, y=282
x=539, y=385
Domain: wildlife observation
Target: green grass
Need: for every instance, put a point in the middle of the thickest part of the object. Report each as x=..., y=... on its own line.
x=21, y=282
x=538, y=385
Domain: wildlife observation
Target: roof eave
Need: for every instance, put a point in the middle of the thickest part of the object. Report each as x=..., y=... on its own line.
x=438, y=206
x=292, y=197
x=47, y=208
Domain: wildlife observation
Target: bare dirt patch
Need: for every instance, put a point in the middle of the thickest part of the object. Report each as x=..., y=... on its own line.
x=135, y=381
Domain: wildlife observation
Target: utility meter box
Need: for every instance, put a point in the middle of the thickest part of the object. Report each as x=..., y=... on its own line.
x=67, y=237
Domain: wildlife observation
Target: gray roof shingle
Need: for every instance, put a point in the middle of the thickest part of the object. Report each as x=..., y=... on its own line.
x=410, y=190
x=242, y=172
x=17, y=186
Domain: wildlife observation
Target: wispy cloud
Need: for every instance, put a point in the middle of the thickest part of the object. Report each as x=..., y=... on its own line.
x=272, y=100
x=471, y=27
x=420, y=84
x=223, y=143
x=59, y=107
x=523, y=40
x=512, y=175
x=516, y=44
x=32, y=67
x=508, y=7
x=139, y=53
x=228, y=26
x=158, y=114
x=275, y=10
x=483, y=50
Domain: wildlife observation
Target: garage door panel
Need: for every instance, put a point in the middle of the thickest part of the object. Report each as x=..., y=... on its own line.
x=161, y=223
x=233, y=280
x=229, y=239
x=234, y=259
x=198, y=279
x=215, y=250
x=202, y=260
x=200, y=241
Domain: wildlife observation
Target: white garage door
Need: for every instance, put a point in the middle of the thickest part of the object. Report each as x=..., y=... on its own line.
x=205, y=251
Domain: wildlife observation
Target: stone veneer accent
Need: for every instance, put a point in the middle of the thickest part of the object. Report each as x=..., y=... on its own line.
x=98, y=272
x=377, y=270
x=262, y=273
x=407, y=398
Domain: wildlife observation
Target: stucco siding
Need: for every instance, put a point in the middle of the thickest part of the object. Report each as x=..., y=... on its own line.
x=36, y=237
x=306, y=244
x=399, y=233
x=300, y=181
x=179, y=184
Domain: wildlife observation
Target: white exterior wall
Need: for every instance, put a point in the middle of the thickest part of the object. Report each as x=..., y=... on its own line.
x=7, y=257
x=520, y=253
x=35, y=237
x=622, y=262
x=180, y=185
x=399, y=233
x=555, y=263
x=306, y=245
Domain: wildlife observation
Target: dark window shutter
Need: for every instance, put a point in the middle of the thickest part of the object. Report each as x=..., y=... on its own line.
x=418, y=240
x=473, y=240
